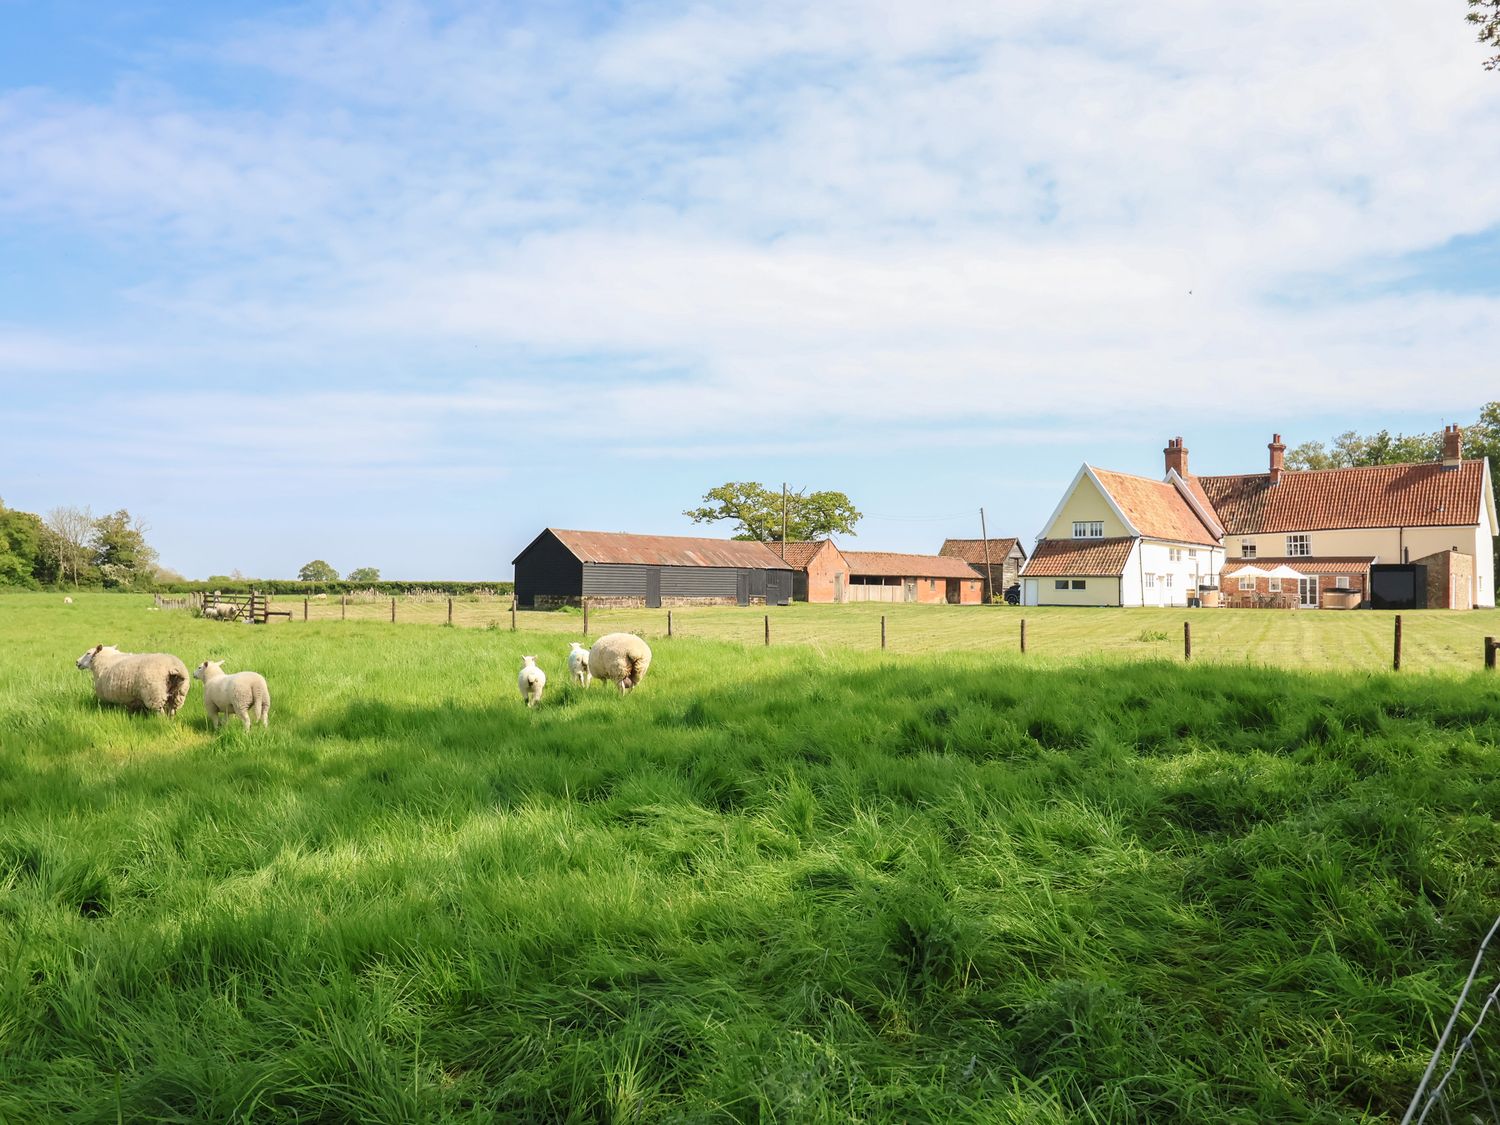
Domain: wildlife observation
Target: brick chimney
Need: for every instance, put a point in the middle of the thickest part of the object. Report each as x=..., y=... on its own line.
x=1278, y=457
x=1176, y=456
x=1453, y=446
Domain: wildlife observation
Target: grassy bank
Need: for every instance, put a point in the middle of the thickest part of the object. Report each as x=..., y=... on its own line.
x=771, y=885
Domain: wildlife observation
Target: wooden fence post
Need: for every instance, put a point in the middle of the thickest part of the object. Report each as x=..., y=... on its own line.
x=1187, y=640
x=304, y=609
x=393, y=611
x=768, y=629
x=343, y=606
x=450, y=611
x=585, y=617
x=1396, y=655
x=1023, y=636
x=882, y=630
x=669, y=622
x=512, y=615
x=1491, y=647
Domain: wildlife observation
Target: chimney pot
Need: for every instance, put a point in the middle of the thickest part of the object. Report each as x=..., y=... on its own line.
x=1453, y=446
x=1177, y=456
x=1278, y=458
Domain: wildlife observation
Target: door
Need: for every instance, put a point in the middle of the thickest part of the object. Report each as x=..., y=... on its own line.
x=910, y=592
x=742, y=587
x=1307, y=592
x=653, y=587
x=955, y=591
x=838, y=587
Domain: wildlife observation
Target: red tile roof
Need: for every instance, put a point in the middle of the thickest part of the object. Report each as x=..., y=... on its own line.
x=972, y=550
x=668, y=550
x=1156, y=508
x=891, y=565
x=799, y=553
x=1067, y=558
x=1422, y=495
x=1304, y=565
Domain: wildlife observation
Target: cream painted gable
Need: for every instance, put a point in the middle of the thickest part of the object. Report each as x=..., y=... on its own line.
x=1086, y=500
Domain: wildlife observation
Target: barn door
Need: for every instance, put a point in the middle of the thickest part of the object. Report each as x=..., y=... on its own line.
x=910, y=591
x=742, y=587
x=653, y=587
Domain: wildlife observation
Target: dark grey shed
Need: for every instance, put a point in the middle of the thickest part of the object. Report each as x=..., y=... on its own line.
x=561, y=567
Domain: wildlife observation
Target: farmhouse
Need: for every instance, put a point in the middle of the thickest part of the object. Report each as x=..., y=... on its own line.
x=820, y=572
x=608, y=568
x=1003, y=560
x=882, y=576
x=1280, y=539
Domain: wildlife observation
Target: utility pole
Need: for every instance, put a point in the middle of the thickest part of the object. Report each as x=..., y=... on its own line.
x=783, y=520
x=989, y=575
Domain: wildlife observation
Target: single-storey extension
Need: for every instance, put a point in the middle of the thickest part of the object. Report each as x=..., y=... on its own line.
x=820, y=572
x=1003, y=560
x=561, y=567
x=883, y=576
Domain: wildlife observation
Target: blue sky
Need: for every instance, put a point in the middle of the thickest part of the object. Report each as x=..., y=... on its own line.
x=398, y=284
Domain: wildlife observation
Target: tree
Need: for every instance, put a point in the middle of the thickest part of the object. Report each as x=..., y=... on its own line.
x=119, y=549
x=69, y=531
x=757, y=513
x=317, y=571
x=23, y=559
x=1485, y=14
x=364, y=574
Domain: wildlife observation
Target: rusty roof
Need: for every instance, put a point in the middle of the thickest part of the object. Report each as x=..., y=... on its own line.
x=1078, y=558
x=1156, y=508
x=972, y=550
x=889, y=564
x=1343, y=564
x=801, y=552
x=1420, y=495
x=667, y=550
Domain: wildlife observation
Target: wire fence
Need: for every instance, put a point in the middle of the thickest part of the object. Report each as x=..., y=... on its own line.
x=1460, y=1083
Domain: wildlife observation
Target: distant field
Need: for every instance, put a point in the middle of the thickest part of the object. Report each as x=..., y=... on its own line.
x=771, y=885
x=1434, y=640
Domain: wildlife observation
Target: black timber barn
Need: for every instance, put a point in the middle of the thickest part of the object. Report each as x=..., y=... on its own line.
x=615, y=569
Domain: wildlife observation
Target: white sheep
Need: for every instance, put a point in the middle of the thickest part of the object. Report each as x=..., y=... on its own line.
x=578, y=665
x=149, y=681
x=531, y=681
x=244, y=695
x=67, y=601
x=620, y=658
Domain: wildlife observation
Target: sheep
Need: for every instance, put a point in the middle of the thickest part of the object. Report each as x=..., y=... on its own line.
x=531, y=681
x=244, y=695
x=578, y=665
x=620, y=657
x=152, y=681
x=67, y=601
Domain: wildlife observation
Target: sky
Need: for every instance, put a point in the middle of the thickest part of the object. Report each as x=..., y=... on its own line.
x=400, y=284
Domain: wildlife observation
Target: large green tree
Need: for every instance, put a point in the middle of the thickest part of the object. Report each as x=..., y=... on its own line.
x=119, y=549
x=23, y=549
x=364, y=574
x=317, y=571
x=756, y=512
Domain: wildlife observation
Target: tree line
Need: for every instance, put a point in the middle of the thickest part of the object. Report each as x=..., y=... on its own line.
x=70, y=546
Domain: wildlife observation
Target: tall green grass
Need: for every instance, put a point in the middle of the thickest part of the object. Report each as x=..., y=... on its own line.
x=770, y=885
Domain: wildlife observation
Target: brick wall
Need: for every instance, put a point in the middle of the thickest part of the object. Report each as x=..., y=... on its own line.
x=822, y=571
x=1450, y=580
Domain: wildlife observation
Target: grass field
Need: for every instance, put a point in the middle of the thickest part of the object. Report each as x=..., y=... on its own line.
x=771, y=885
x=1361, y=640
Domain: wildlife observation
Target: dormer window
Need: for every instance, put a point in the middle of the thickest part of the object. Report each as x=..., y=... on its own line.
x=1088, y=529
x=1247, y=548
x=1298, y=546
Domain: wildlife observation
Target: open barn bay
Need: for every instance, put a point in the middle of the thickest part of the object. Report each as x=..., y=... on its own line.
x=771, y=885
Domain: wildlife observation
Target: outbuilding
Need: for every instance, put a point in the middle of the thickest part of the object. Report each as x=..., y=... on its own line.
x=885, y=576
x=561, y=567
x=820, y=573
x=1001, y=559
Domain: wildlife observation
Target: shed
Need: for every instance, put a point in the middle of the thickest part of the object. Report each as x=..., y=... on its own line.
x=820, y=572
x=884, y=576
x=561, y=567
x=1004, y=559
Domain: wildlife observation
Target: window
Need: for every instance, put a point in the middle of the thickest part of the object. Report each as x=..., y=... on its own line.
x=1168, y=577
x=1247, y=584
x=1088, y=529
x=1150, y=581
x=1299, y=546
x=1247, y=549
x=1274, y=585
x=1061, y=584
x=1079, y=584
x=1341, y=582
x=1192, y=553
x=932, y=583
x=1174, y=554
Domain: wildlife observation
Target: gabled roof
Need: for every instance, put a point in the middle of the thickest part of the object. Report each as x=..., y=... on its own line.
x=1078, y=558
x=666, y=550
x=799, y=553
x=972, y=550
x=891, y=565
x=1421, y=495
x=1155, y=508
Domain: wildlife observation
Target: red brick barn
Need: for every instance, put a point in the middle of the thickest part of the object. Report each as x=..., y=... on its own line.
x=820, y=573
x=883, y=576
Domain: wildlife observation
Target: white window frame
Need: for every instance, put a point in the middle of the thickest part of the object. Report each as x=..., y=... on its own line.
x=1340, y=581
x=1168, y=577
x=1247, y=585
x=1060, y=584
x=1299, y=546
x=1080, y=584
x=1273, y=585
x=1088, y=529
x=1150, y=581
x=1247, y=549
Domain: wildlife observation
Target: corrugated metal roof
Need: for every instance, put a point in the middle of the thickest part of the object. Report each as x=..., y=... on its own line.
x=888, y=564
x=1421, y=495
x=1078, y=558
x=668, y=550
x=972, y=550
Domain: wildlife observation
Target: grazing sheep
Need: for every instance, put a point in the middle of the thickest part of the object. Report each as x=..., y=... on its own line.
x=578, y=665
x=67, y=601
x=531, y=681
x=244, y=695
x=151, y=681
x=621, y=658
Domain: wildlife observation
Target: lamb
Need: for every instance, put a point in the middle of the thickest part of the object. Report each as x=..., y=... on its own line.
x=151, y=681
x=531, y=681
x=243, y=694
x=578, y=665
x=621, y=658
